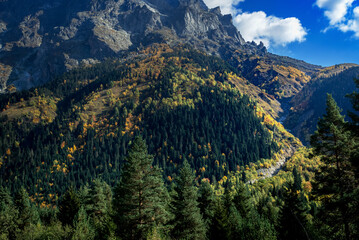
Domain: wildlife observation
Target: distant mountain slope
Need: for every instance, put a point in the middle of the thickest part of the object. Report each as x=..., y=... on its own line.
x=39, y=39
x=187, y=105
x=309, y=103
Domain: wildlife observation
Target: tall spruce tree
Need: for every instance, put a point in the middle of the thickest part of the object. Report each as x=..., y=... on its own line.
x=188, y=222
x=354, y=97
x=99, y=208
x=8, y=215
x=82, y=228
x=140, y=200
x=207, y=203
x=292, y=222
x=354, y=127
x=27, y=213
x=335, y=182
x=69, y=206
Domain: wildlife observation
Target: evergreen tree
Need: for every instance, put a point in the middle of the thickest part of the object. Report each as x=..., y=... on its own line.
x=69, y=206
x=27, y=213
x=188, y=222
x=241, y=200
x=297, y=185
x=99, y=208
x=354, y=97
x=82, y=227
x=207, y=203
x=292, y=223
x=335, y=183
x=8, y=215
x=140, y=200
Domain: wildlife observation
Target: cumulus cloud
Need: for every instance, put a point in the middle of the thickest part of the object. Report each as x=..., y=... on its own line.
x=270, y=30
x=259, y=27
x=341, y=14
x=352, y=24
x=227, y=6
x=335, y=10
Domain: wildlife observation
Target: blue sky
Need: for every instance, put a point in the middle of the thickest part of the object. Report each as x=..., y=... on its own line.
x=323, y=32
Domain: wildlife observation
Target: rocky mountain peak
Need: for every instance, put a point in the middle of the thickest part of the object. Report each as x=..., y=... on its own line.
x=45, y=38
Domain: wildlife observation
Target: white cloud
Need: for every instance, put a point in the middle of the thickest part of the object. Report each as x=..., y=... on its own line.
x=259, y=27
x=341, y=14
x=352, y=24
x=227, y=6
x=335, y=10
x=271, y=30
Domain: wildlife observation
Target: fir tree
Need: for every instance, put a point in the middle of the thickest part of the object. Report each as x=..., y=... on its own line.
x=140, y=200
x=188, y=221
x=8, y=215
x=99, y=208
x=335, y=182
x=207, y=203
x=69, y=206
x=82, y=227
x=27, y=214
x=292, y=222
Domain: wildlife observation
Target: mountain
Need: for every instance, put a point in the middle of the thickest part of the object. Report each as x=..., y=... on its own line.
x=41, y=39
x=105, y=71
x=185, y=104
x=155, y=119
x=56, y=36
x=309, y=104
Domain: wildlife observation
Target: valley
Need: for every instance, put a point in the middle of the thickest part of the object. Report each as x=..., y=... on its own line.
x=156, y=119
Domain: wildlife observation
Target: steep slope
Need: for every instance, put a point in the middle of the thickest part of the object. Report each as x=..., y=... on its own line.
x=309, y=103
x=185, y=104
x=282, y=77
x=58, y=35
x=41, y=39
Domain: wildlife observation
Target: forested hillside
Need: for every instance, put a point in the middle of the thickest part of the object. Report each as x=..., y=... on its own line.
x=183, y=103
x=169, y=144
x=309, y=103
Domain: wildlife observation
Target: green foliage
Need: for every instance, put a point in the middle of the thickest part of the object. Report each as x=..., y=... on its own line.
x=8, y=215
x=293, y=220
x=179, y=112
x=184, y=106
x=82, y=229
x=207, y=203
x=309, y=104
x=335, y=183
x=188, y=222
x=140, y=200
x=27, y=214
x=69, y=206
x=99, y=208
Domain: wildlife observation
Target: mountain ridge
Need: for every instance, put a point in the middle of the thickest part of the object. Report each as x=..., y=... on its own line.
x=58, y=36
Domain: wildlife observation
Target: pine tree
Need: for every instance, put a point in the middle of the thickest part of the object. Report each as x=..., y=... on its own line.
x=82, y=227
x=27, y=214
x=140, y=200
x=354, y=97
x=8, y=215
x=297, y=185
x=99, y=208
x=207, y=203
x=292, y=222
x=188, y=222
x=69, y=206
x=335, y=183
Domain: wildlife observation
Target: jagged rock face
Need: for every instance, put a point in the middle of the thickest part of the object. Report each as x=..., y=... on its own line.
x=42, y=38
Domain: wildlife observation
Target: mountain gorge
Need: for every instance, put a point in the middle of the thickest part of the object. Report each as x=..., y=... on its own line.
x=155, y=119
x=137, y=43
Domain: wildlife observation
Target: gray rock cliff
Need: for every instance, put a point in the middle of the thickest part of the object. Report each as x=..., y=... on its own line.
x=42, y=38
